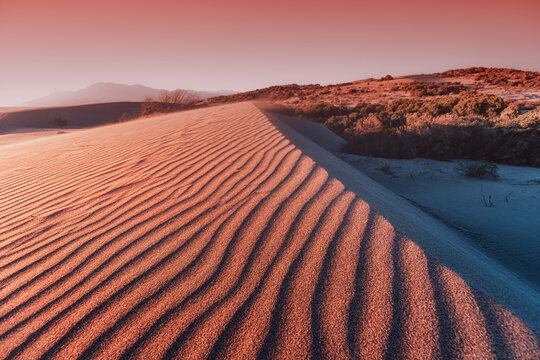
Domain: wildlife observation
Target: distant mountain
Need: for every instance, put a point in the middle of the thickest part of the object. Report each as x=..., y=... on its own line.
x=108, y=92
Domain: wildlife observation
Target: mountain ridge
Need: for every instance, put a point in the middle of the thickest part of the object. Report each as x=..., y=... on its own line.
x=104, y=92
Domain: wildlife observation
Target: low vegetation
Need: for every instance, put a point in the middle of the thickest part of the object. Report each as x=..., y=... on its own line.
x=500, y=77
x=420, y=89
x=487, y=171
x=397, y=118
x=280, y=92
x=169, y=101
x=468, y=126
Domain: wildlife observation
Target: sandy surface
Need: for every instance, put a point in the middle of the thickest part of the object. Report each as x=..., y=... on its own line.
x=210, y=233
x=508, y=230
x=19, y=135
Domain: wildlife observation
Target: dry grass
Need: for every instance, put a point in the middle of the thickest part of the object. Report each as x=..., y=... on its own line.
x=169, y=101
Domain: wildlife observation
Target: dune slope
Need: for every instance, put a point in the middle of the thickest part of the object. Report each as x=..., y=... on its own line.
x=208, y=233
x=80, y=116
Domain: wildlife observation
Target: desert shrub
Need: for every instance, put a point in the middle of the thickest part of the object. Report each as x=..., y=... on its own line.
x=59, y=122
x=529, y=120
x=439, y=106
x=467, y=126
x=321, y=111
x=497, y=76
x=364, y=109
x=392, y=120
x=510, y=77
x=472, y=103
x=369, y=124
x=446, y=142
x=511, y=111
x=337, y=123
x=478, y=170
x=169, y=101
x=421, y=89
x=474, y=121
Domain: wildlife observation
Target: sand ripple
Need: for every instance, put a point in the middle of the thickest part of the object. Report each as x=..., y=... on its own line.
x=208, y=234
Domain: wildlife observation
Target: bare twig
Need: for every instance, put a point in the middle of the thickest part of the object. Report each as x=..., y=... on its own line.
x=489, y=201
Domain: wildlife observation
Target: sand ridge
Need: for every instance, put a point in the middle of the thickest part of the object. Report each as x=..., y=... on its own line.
x=209, y=234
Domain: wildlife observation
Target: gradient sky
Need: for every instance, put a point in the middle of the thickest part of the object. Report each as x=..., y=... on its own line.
x=57, y=45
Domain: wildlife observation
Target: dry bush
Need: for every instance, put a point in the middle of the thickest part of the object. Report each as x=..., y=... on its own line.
x=169, y=101
x=176, y=97
x=511, y=111
x=472, y=103
x=486, y=171
x=392, y=120
x=529, y=120
x=421, y=89
x=440, y=106
x=371, y=124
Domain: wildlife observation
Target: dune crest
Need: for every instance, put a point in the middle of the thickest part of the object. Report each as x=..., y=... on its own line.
x=209, y=234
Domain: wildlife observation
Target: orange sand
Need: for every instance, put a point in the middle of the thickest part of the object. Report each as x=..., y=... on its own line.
x=208, y=234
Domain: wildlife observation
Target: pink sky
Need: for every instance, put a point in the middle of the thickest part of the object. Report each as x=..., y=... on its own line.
x=56, y=45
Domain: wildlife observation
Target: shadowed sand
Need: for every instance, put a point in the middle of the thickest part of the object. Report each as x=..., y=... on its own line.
x=77, y=116
x=209, y=233
x=23, y=124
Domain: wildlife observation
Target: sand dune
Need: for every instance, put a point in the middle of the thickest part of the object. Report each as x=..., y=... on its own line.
x=210, y=233
x=24, y=124
x=80, y=116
